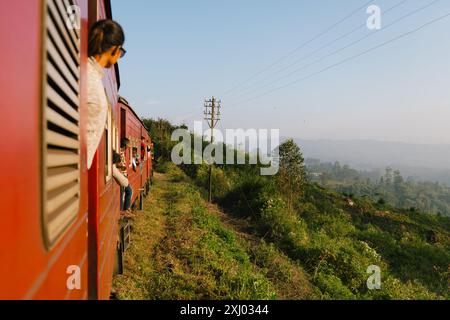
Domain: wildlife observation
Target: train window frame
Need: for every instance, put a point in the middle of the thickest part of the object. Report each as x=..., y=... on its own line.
x=60, y=125
x=105, y=154
x=130, y=155
x=108, y=147
x=123, y=123
x=114, y=136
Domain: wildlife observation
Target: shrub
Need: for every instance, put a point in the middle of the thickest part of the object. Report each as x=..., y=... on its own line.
x=248, y=196
x=333, y=288
x=281, y=225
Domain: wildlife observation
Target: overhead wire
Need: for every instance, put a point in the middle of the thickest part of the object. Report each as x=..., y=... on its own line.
x=301, y=46
x=396, y=21
x=332, y=66
x=305, y=57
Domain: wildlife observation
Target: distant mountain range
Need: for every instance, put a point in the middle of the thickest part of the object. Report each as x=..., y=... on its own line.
x=422, y=162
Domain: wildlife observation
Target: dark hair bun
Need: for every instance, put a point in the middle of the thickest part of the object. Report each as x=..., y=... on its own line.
x=104, y=35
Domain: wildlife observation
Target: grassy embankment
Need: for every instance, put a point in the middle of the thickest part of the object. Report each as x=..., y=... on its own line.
x=185, y=248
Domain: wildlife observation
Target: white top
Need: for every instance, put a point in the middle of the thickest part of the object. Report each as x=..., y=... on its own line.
x=120, y=178
x=97, y=108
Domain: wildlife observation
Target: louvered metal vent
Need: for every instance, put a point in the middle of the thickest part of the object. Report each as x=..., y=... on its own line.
x=61, y=130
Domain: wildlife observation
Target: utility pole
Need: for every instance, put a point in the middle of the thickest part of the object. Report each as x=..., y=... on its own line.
x=212, y=117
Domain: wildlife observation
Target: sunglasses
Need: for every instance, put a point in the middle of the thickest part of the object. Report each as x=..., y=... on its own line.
x=123, y=52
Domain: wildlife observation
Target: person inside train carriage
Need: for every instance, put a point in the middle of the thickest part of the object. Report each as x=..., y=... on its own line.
x=124, y=146
x=149, y=152
x=126, y=192
x=134, y=159
x=143, y=148
x=106, y=39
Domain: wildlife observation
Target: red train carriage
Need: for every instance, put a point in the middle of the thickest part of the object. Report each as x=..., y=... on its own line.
x=132, y=128
x=59, y=222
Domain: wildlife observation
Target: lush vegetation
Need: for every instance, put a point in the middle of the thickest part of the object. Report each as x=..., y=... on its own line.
x=392, y=187
x=184, y=248
x=336, y=236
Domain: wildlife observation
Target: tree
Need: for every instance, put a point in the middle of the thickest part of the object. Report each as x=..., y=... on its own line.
x=161, y=132
x=292, y=173
x=388, y=176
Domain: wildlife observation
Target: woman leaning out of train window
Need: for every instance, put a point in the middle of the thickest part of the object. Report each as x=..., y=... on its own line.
x=126, y=192
x=106, y=39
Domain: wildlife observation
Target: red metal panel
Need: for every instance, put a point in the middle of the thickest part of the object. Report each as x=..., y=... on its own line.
x=27, y=269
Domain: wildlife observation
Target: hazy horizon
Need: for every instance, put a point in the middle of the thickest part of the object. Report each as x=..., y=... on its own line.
x=419, y=161
x=368, y=140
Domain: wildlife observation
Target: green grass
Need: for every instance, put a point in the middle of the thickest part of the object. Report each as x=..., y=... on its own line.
x=183, y=249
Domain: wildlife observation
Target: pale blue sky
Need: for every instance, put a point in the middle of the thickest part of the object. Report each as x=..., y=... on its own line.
x=180, y=52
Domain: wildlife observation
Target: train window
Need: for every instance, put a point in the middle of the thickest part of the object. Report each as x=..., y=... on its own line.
x=114, y=136
x=61, y=128
x=134, y=153
x=117, y=139
x=106, y=154
x=123, y=123
x=108, y=146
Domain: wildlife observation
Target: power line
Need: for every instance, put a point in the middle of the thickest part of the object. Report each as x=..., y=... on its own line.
x=340, y=49
x=364, y=25
x=298, y=48
x=349, y=58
